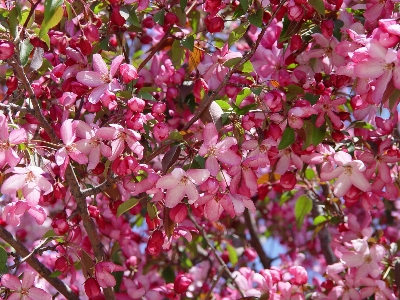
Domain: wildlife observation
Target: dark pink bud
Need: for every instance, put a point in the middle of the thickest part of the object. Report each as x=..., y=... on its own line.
x=152, y=224
x=93, y=211
x=327, y=27
x=214, y=24
x=172, y=93
x=131, y=262
x=136, y=104
x=61, y=264
x=90, y=107
x=85, y=46
x=128, y=72
x=91, y=33
x=92, y=287
x=116, y=17
x=158, y=108
x=337, y=136
x=6, y=49
x=123, y=166
x=296, y=42
x=60, y=226
x=295, y=12
x=250, y=254
x=170, y=19
x=160, y=131
x=148, y=22
x=179, y=213
x=181, y=283
x=155, y=243
x=12, y=84
x=113, y=41
x=146, y=39
x=288, y=181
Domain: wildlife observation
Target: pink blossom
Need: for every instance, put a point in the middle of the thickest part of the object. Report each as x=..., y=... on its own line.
x=30, y=180
x=326, y=106
x=7, y=141
x=24, y=290
x=217, y=151
x=180, y=184
x=12, y=212
x=349, y=172
x=103, y=272
x=68, y=131
x=119, y=136
x=101, y=79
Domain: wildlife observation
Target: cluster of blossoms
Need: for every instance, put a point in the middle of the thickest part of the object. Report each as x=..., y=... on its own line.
x=146, y=157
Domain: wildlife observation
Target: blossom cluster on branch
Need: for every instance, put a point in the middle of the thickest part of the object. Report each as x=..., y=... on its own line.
x=148, y=149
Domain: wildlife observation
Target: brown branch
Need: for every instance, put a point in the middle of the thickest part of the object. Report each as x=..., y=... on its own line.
x=205, y=103
x=255, y=241
x=36, y=264
x=14, y=107
x=31, y=11
x=70, y=177
x=220, y=260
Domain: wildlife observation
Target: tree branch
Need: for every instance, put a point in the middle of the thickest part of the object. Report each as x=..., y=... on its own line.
x=36, y=264
x=255, y=241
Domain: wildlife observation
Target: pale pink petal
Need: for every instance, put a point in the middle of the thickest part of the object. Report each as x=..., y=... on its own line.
x=396, y=76
x=376, y=50
x=237, y=204
x=136, y=147
x=38, y=213
x=90, y=78
x=249, y=204
x=38, y=294
x=321, y=40
x=115, y=65
x=369, y=69
x=31, y=193
x=210, y=135
x=212, y=211
x=227, y=204
x=21, y=207
x=16, y=296
x=96, y=93
x=198, y=175
x=11, y=282
x=11, y=157
x=342, y=185
x=191, y=192
x=105, y=150
x=380, y=86
x=84, y=146
x=44, y=184
x=28, y=279
x=107, y=133
x=283, y=164
x=343, y=158
x=167, y=182
x=3, y=127
x=13, y=184
x=175, y=195
x=250, y=179
x=60, y=156
x=94, y=158
x=212, y=165
x=18, y=136
x=359, y=181
x=99, y=65
x=225, y=144
x=117, y=146
x=229, y=157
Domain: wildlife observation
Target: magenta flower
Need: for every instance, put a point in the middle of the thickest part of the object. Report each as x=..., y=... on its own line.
x=103, y=272
x=119, y=135
x=180, y=184
x=30, y=180
x=217, y=151
x=7, y=141
x=349, y=172
x=101, y=79
x=68, y=130
x=24, y=290
x=12, y=212
x=326, y=106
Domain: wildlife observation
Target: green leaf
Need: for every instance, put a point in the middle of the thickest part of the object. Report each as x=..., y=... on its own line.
x=55, y=274
x=309, y=174
x=159, y=17
x=238, y=12
x=130, y=15
x=223, y=104
x=183, y=4
x=318, y=5
x=393, y=98
x=25, y=49
x=288, y=138
x=256, y=19
x=50, y=8
x=311, y=98
x=127, y=205
x=302, y=208
x=320, y=219
x=3, y=260
x=257, y=90
x=245, y=4
x=232, y=62
x=233, y=257
x=242, y=95
x=152, y=210
x=24, y=16
x=177, y=54
x=237, y=33
x=13, y=19
x=50, y=23
x=247, y=67
x=188, y=43
x=168, y=274
x=244, y=110
x=180, y=14
x=49, y=233
x=175, y=135
x=146, y=96
x=318, y=134
x=295, y=89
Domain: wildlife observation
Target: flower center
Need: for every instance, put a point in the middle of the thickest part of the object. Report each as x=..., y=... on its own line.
x=71, y=147
x=212, y=151
x=30, y=177
x=348, y=170
x=4, y=146
x=184, y=180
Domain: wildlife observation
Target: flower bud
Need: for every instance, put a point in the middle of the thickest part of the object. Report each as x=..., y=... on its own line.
x=12, y=84
x=92, y=287
x=179, y=213
x=91, y=33
x=61, y=264
x=296, y=42
x=155, y=243
x=6, y=49
x=60, y=226
x=181, y=283
x=123, y=166
x=250, y=254
x=327, y=27
x=160, y=131
x=116, y=17
x=128, y=72
x=148, y=22
x=136, y=104
x=215, y=24
x=170, y=19
x=288, y=181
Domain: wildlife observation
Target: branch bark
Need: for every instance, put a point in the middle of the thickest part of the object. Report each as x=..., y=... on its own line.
x=36, y=264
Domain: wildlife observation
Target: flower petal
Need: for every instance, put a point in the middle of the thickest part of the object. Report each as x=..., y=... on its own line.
x=90, y=78
x=11, y=282
x=99, y=66
x=38, y=294
x=13, y=184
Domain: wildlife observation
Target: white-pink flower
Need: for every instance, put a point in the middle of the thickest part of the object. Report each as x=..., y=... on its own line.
x=101, y=79
x=103, y=272
x=7, y=140
x=217, y=151
x=30, y=180
x=349, y=172
x=179, y=184
x=12, y=212
x=24, y=290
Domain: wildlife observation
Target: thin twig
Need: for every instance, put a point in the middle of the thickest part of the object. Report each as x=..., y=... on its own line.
x=214, y=283
x=36, y=264
x=220, y=260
